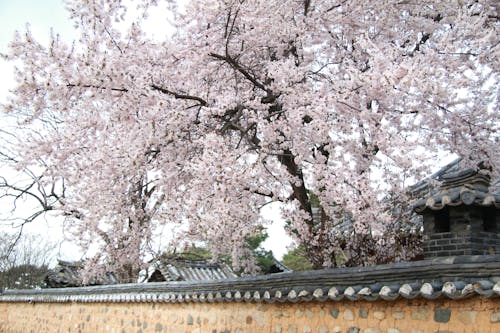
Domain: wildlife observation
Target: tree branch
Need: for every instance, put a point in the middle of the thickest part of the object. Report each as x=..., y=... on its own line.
x=200, y=100
x=234, y=64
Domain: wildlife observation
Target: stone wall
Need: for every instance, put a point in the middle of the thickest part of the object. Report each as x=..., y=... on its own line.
x=442, y=295
x=474, y=314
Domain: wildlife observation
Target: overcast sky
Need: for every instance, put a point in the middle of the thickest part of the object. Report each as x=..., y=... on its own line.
x=41, y=15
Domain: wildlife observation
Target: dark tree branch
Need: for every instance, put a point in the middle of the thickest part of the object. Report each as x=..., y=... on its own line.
x=72, y=85
x=234, y=64
x=307, y=4
x=200, y=100
x=269, y=195
x=299, y=191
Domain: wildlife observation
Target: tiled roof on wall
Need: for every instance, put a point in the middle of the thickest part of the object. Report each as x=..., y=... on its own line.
x=452, y=278
x=458, y=186
x=68, y=274
x=178, y=269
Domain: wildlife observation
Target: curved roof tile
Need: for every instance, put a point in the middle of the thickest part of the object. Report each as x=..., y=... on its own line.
x=448, y=278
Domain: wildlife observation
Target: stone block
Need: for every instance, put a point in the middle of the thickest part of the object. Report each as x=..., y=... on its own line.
x=393, y=330
x=348, y=315
x=420, y=313
x=495, y=317
x=398, y=315
x=363, y=313
x=372, y=330
x=260, y=319
x=467, y=317
x=442, y=315
x=380, y=315
x=334, y=312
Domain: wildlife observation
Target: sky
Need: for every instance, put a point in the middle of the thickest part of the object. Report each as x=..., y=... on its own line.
x=42, y=15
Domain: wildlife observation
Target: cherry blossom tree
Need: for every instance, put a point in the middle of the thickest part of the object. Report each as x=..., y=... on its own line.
x=251, y=102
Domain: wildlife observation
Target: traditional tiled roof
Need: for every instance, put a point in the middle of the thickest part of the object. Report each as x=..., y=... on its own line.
x=277, y=267
x=448, y=278
x=458, y=186
x=179, y=269
x=68, y=274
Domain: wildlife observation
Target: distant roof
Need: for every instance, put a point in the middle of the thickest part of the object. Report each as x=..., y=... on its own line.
x=278, y=267
x=68, y=274
x=180, y=269
x=458, y=185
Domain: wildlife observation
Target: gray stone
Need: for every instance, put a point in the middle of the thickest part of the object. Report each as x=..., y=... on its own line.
x=190, y=320
x=353, y=330
x=420, y=313
x=372, y=330
x=467, y=317
x=348, y=314
x=442, y=315
x=158, y=327
x=380, y=315
x=260, y=319
x=363, y=313
x=334, y=312
x=398, y=315
x=393, y=330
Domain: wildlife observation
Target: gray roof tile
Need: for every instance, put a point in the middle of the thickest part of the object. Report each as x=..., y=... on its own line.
x=440, y=278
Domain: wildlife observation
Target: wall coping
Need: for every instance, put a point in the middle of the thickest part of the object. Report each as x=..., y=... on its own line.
x=450, y=277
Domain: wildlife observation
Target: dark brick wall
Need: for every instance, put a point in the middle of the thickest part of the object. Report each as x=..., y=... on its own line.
x=454, y=244
x=461, y=230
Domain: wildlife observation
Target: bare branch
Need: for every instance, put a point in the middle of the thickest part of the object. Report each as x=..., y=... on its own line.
x=201, y=101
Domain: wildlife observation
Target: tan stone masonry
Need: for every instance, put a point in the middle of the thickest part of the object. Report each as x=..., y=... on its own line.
x=475, y=314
